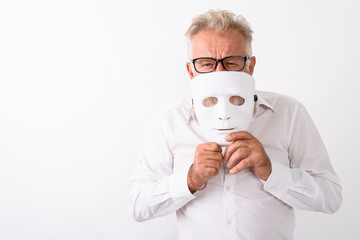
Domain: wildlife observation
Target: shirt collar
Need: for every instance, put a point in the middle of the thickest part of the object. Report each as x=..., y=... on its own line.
x=262, y=102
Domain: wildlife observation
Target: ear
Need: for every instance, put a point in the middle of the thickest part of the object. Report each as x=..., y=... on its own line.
x=189, y=69
x=252, y=65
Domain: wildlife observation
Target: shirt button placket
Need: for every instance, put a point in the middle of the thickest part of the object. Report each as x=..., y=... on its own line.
x=229, y=204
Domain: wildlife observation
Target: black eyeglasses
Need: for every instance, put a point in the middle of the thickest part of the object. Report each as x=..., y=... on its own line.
x=231, y=63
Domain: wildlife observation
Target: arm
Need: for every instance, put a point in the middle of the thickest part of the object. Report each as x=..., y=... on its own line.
x=307, y=182
x=156, y=190
x=301, y=189
x=310, y=183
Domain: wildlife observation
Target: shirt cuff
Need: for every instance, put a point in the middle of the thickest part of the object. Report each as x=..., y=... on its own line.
x=279, y=180
x=178, y=187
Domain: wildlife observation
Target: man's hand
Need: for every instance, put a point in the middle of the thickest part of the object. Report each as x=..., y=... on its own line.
x=250, y=151
x=207, y=163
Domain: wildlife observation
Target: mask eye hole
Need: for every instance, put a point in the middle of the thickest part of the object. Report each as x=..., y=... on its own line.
x=237, y=100
x=210, y=101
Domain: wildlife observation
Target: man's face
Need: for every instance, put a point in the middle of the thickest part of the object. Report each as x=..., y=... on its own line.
x=211, y=44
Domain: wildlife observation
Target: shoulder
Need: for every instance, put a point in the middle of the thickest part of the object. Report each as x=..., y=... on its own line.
x=174, y=120
x=179, y=111
x=280, y=102
x=172, y=117
x=274, y=98
x=168, y=120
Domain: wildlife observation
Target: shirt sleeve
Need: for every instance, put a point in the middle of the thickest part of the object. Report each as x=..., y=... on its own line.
x=156, y=190
x=309, y=181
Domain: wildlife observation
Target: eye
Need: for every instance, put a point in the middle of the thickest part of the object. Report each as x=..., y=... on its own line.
x=210, y=101
x=237, y=100
x=205, y=64
x=232, y=63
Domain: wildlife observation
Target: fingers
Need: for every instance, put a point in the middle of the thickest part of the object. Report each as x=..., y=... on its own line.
x=236, y=155
x=262, y=169
x=247, y=152
x=234, y=147
x=243, y=135
x=246, y=163
x=207, y=162
x=259, y=164
x=210, y=146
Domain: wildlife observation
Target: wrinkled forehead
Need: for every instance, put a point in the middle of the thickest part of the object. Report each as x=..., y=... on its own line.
x=222, y=84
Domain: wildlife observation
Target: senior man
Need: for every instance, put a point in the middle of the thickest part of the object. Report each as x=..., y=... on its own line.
x=248, y=189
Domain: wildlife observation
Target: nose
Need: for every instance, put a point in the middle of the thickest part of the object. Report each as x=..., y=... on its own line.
x=223, y=110
x=219, y=67
x=224, y=118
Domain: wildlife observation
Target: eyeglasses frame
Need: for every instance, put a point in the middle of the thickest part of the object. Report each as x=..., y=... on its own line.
x=220, y=60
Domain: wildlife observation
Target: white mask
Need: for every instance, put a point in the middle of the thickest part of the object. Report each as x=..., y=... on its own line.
x=223, y=103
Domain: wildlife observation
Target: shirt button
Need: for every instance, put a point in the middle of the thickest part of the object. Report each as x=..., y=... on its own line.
x=229, y=221
x=227, y=188
x=273, y=188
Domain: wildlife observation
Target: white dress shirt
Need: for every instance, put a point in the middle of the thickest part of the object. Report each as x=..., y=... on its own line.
x=239, y=206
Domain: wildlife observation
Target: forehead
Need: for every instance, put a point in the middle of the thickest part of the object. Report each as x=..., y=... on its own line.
x=208, y=43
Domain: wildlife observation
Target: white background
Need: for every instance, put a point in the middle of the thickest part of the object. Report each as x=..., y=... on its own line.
x=80, y=79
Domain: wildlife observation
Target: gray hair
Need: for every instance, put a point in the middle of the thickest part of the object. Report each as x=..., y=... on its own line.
x=219, y=21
